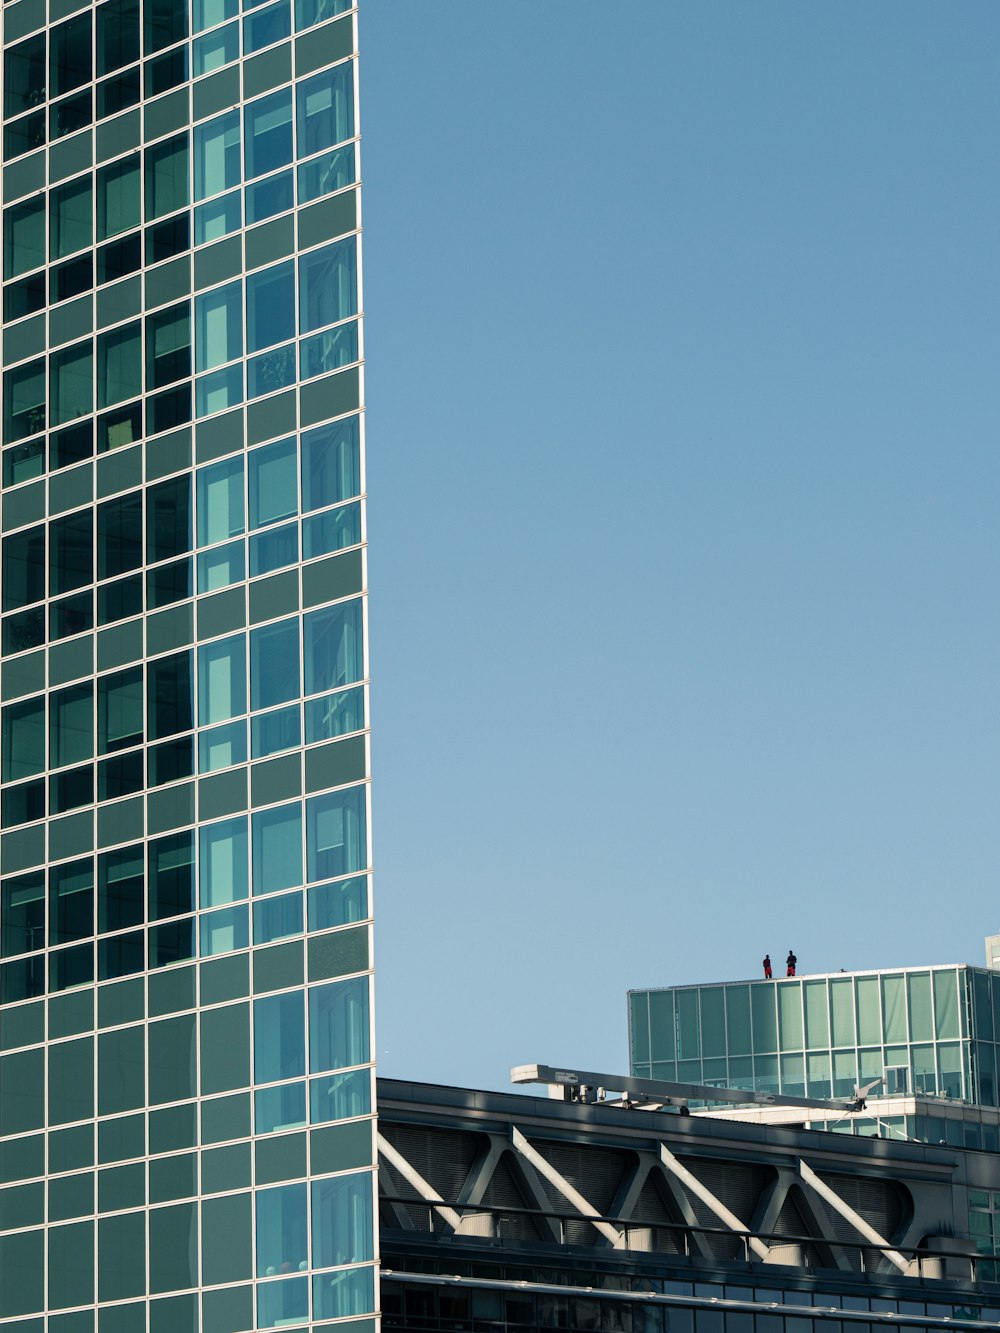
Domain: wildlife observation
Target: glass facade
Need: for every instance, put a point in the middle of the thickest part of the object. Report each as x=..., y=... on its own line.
x=186, y=1088
x=927, y=1032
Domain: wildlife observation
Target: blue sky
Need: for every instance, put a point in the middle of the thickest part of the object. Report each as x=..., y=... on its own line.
x=683, y=419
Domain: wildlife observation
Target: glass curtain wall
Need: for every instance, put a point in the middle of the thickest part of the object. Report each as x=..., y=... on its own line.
x=186, y=1086
x=923, y=1032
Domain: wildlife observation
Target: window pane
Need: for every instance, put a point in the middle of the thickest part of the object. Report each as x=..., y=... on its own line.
x=222, y=688
x=117, y=35
x=69, y=55
x=70, y=218
x=217, y=155
x=268, y=133
x=23, y=568
x=166, y=177
x=24, y=76
x=273, y=483
x=118, y=198
x=24, y=401
x=274, y=664
x=23, y=238
x=71, y=902
x=71, y=383
x=336, y=834
x=119, y=365
x=328, y=285
x=223, y=867
x=220, y=501
x=342, y=1220
x=119, y=710
x=121, y=889
x=207, y=13
x=334, y=646
x=279, y=1037
x=71, y=552
x=338, y=1025
x=170, y=695
x=71, y=725
x=22, y=914
x=218, y=326
x=326, y=109
x=281, y=1231
x=171, y=875
x=277, y=849
x=270, y=307
x=331, y=464
x=168, y=346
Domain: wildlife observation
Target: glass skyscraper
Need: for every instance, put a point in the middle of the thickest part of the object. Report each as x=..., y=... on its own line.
x=186, y=1094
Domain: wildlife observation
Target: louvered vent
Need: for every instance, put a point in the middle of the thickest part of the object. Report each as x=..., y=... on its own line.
x=738, y=1184
x=651, y=1210
x=882, y=1203
x=596, y=1172
x=504, y=1191
x=444, y=1157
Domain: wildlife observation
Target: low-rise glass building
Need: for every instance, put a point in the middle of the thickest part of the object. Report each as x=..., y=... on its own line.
x=925, y=1032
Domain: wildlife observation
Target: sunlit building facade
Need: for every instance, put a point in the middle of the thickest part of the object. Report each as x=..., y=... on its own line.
x=186, y=1091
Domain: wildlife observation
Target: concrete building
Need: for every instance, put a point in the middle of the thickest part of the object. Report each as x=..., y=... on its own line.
x=186, y=1094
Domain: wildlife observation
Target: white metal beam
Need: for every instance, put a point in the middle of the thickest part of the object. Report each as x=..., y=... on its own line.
x=856, y=1220
x=413, y=1176
x=710, y=1201
x=573, y=1196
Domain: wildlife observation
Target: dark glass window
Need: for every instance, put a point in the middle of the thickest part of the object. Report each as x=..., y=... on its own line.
x=23, y=568
x=165, y=23
x=70, y=790
x=69, y=55
x=166, y=177
x=71, y=279
x=22, y=914
x=24, y=76
x=23, y=804
x=71, y=445
x=71, y=114
x=23, y=237
x=121, y=889
x=71, y=552
x=171, y=876
x=117, y=34
x=168, y=410
x=118, y=259
x=119, y=710
x=168, y=584
x=117, y=93
x=118, y=601
x=169, y=694
x=23, y=630
x=24, y=298
x=23, y=461
x=171, y=761
x=168, y=346
x=71, y=725
x=119, y=535
x=119, y=776
x=168, y=238
x=21, y=136
x=165, y=72
x=71, y=225
x=71, y=901
x=71, y=615
x=120, y=427
x=168, y=519
x=118, y=198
